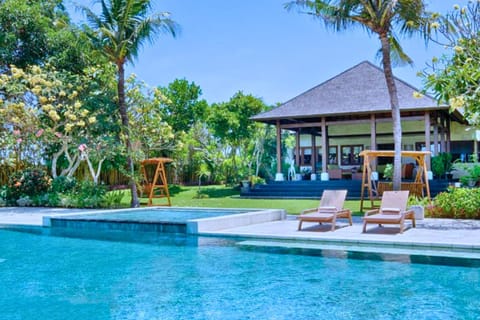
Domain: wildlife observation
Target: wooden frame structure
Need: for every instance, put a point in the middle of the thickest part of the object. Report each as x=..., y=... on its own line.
x=416, y=187
x=157, y=181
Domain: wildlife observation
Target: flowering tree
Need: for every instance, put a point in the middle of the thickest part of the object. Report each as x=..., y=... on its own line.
x=42, y=108
x=455, y=77
x=150, y=134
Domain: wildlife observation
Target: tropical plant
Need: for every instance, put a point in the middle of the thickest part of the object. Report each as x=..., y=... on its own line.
x=441, y=164
x=230, y=122
x=119, y=32
x=386, y=19
x=454, y=78
x=457, y=203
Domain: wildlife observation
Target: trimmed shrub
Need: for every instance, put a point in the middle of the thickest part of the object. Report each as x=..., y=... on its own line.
x=458, y=203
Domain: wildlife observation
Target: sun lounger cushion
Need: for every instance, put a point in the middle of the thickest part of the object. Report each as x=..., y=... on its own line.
x=390, y=210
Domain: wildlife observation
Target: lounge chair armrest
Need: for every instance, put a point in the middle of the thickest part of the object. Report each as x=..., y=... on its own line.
x=370, y=212
x=408, y=213
x=309, y=211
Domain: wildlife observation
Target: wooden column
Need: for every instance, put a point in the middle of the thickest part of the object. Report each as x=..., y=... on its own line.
x=447, y=125
x=324, y=146
x=297, y=148
x=443, y=133
x=279, y=148
x=435, y=138
x=313, y=158
x=427, y=138
x=373, y=139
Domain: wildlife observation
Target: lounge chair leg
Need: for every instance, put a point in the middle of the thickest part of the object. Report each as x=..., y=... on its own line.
x=413, y=222
x=300, y=225
x=364, y=227
x=401, y=227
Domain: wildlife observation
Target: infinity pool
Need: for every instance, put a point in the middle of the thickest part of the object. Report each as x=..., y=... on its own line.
x=47, y=277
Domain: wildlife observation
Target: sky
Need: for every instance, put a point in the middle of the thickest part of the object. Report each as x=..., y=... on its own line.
x=260, y=48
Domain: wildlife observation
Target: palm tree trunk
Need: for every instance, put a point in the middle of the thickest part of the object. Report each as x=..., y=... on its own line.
x=126, y=132
x=396, y=120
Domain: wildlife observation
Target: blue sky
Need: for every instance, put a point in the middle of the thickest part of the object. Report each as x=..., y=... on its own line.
x=262, y=49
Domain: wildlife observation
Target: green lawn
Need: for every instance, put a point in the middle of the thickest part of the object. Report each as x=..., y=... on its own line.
x=225, y=197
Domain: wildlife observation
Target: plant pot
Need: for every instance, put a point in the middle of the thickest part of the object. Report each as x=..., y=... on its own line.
x=419, y=212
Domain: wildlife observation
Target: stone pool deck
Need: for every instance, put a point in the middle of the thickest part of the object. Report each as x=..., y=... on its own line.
x=430, y=233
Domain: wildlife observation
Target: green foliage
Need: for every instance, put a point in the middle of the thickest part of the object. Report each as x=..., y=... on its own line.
x=182, y=106
x=473, y=176
x=458, y=203
x=388, y=172
x=87, y=195
x=417, y=201
x=257, y=180
x=62, y=184
x=441, y=164
x=3, y=196
x=113, y=199
x=27, y=183
x=454, y=77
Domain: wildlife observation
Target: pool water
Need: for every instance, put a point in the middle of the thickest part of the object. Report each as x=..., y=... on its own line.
x=46, y=277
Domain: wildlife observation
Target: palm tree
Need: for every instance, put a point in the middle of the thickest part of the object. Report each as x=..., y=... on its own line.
x=119, y=32
x=386, y=19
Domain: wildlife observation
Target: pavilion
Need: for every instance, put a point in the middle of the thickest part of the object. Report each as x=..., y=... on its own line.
x=336, y=120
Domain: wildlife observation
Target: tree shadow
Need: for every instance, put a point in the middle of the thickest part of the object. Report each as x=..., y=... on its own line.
x=218, y=193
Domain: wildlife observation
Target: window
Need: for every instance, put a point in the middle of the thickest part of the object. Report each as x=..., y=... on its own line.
x=332, y=155
x=351, y=155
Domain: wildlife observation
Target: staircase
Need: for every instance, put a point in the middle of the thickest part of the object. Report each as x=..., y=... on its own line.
x=313, y=189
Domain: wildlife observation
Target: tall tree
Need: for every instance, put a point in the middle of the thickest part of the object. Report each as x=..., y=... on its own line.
x=120, y=31
x=386, y=19
x=230, y=122
x=183, y=107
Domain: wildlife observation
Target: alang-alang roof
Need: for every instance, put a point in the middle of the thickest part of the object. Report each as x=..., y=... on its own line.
x=359, y=90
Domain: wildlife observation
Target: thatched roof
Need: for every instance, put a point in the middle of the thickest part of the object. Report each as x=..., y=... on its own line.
x=359, y=90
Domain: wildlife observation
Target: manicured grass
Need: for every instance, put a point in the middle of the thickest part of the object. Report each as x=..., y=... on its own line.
x=225, y=197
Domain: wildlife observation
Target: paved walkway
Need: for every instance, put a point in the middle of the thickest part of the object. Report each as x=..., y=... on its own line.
x=435, y=233
x=429, y=233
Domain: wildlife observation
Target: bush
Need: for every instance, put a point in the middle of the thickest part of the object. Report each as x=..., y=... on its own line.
x=113, y=199
x=27, y=183
x=458, y=203
x=86, y=195
x=63, y=184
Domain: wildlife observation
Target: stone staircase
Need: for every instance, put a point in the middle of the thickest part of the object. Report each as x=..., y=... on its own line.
x=313, y=189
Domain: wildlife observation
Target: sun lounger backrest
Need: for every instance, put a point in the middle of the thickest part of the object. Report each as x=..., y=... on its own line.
x=333, y=198
x=394, y=202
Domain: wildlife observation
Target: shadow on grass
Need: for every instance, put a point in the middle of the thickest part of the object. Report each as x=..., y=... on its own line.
x=218, y=193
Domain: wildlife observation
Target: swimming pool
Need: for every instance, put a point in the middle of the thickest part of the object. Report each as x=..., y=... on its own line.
x=46, y=277
x=165, y=220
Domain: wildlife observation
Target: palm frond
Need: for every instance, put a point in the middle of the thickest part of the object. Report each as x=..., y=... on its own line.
x=397, y=54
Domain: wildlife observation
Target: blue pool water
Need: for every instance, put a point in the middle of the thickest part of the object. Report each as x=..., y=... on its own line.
x=46, y=277
x=170, y=214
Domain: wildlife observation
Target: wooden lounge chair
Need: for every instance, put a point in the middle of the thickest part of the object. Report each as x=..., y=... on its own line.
x=393, y=210
x=331, y=208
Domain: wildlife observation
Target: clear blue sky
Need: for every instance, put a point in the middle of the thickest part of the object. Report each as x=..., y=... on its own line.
x=260, y=48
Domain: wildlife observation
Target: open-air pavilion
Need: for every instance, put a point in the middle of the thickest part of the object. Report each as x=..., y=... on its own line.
x=338, y=119
x=354, y=106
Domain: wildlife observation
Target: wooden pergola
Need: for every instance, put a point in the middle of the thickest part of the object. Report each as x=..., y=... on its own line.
x=417, y=187
x=155, y=180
